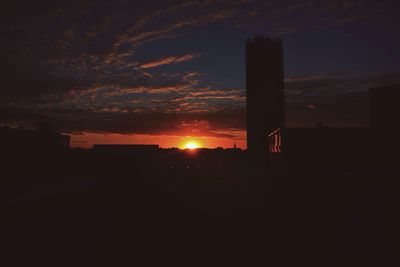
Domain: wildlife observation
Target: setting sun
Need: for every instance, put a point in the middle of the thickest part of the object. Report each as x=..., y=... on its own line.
x=191, y=145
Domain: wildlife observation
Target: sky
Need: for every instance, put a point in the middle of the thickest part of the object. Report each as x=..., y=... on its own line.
x=172, y=72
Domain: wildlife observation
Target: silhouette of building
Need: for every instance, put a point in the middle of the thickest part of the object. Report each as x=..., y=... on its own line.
x=264, y=91
x=40, y=139
x=125, y=148
x=50, y=138
x=321, y=147
x=384, y=105
x=384, y=110
x=350, y=147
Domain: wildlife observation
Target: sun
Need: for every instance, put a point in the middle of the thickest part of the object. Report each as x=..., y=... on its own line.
x=191, y=145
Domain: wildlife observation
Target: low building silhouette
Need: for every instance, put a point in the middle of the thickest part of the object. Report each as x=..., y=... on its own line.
x=356, y=148
x=125, y=148
x=384, y=109
x=39, y=139
x=324, y=148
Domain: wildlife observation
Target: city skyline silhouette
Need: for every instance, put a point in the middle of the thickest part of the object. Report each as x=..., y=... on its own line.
x=102, y=78
x=199, y=133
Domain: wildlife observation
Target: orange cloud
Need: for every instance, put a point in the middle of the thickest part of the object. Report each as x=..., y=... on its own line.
x=168, y=60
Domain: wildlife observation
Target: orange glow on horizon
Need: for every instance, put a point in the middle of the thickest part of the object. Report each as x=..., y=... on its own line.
x=87, y=139
x=191, y=145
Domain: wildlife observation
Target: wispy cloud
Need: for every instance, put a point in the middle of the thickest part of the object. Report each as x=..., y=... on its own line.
x=168, y=60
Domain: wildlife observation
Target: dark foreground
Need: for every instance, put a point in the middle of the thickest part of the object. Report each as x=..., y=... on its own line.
x=84, y=209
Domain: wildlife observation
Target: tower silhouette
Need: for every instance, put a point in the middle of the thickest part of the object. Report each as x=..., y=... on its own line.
x=264, y=91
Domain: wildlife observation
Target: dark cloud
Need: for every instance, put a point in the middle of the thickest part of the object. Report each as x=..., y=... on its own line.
x=337, y=99
x=82, y=63
x=315, y=87
x=212, y=124
x=293, y=15
x=86, y=42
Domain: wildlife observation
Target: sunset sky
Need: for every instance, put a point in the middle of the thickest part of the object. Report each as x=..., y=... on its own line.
x=172, y=72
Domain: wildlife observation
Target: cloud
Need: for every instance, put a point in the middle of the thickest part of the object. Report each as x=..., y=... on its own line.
x=282, y=17
x=211, y=124
x=328, y=85
x=86, y=66
x=335, y=99
x=168, y=60
x=55, y=47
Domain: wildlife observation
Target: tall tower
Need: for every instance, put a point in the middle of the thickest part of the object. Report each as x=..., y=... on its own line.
x=265, y=98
